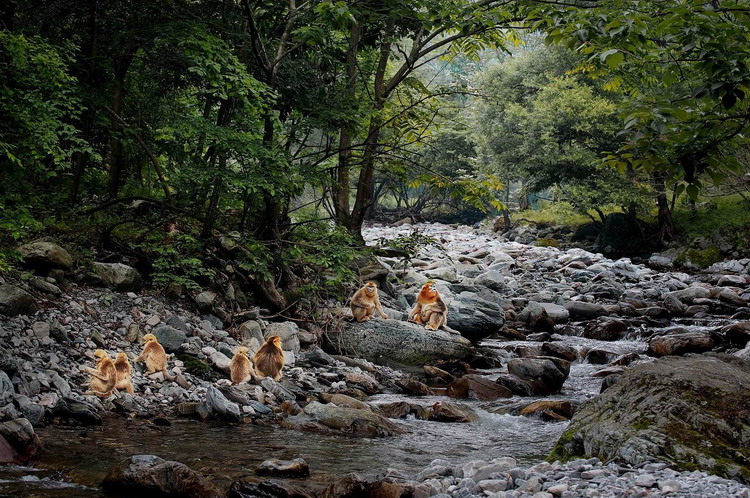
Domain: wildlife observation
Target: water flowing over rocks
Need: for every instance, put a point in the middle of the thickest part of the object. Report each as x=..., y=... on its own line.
x=524, y=321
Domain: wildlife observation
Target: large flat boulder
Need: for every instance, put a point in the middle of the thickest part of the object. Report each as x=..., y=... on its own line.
x=691, y=412
x=332, y=419
x=393, y=342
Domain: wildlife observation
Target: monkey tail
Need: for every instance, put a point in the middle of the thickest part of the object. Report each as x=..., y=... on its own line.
x=167, y=376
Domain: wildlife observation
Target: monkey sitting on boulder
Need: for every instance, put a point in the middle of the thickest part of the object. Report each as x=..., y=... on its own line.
x=365, y=302
x=430, y=309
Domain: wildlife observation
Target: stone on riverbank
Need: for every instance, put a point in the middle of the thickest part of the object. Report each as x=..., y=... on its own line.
x=16, y=301
x=690, y=411
x=297, y=467
x=392, y=342
x=119, y=277
x=18, y=442
x=329, y=418
x=149, y=475
x=45, y=256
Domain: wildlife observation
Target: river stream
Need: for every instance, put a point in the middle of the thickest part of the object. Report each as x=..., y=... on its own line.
x=76, y=459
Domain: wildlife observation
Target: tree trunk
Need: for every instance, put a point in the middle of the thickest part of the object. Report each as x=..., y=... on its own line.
x=366, y=174
x=114, y=157
x=666, y=223
x=341, y=187
x=213, y=203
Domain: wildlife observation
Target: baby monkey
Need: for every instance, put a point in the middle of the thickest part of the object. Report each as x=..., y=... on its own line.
x=365, y=302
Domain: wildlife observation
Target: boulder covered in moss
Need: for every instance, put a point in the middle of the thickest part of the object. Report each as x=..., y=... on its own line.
x=699, y=259
x=397, y=343
x=692, y=412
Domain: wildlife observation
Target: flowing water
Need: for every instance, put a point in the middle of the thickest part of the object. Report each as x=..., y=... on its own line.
x=76, y=459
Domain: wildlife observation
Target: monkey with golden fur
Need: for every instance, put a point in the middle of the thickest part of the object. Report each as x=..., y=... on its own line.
x=269, y=360
x=155, y=357
x=365, y=302
x=124, y=378
x=430, y=309
x=104, y=376
x=240, y=368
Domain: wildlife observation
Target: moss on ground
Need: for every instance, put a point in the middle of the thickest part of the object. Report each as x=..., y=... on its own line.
x=702, y=258
x=546, y=242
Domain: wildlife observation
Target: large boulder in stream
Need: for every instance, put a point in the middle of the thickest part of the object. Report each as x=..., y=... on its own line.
x=393, y=342
x=535, y=376
x=332, y=419
x=678, y=341
x=18, y=442
x=149, y=475
x=474, y=317
x=692, y=412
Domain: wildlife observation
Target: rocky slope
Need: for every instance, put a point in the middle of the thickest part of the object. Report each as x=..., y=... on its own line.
x=493, y=287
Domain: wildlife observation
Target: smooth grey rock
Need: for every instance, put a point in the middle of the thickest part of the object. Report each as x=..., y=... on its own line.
x=16, y=301
x=170, y=338
x=205, y=301
x=220, y=406
x=289, y=333
x=119, y=277
x=474, y=317
x=389, y=342
x=580, y=310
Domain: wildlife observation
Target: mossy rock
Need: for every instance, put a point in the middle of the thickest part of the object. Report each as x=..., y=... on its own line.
x=195, y=366
x=663, y=411
x=546, y=242
x=699, y=258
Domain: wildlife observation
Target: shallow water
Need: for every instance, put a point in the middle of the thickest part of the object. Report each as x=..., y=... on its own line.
x=227, y=452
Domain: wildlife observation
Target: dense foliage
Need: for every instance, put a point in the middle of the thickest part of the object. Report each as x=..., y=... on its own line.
x=183, y=135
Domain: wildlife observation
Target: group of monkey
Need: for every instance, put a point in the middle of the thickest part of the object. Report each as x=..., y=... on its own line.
x=109, y=375
x=430, y=309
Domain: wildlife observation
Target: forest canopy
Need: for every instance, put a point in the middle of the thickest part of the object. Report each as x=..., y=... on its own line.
x=156, y=129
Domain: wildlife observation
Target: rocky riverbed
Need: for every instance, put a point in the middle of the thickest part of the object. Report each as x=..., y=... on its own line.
x=550, y=329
